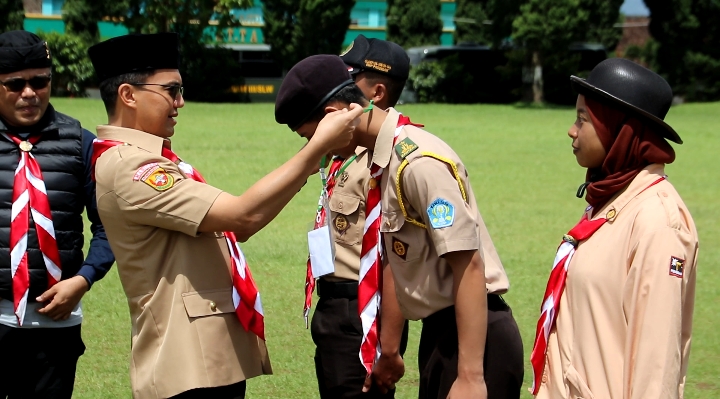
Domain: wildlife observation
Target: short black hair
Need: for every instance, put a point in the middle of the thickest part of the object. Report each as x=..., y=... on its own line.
x=394, y=86
x=109, y=87
x=347, y=95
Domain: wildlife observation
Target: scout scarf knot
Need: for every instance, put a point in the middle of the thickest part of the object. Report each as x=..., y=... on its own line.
x=245, y=294
x=30, y=199
x=370, y=281
x=556, y=286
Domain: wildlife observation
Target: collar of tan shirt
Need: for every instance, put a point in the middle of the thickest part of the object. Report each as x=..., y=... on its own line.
x=386, y=137
x=640, y=183
x=138, y=138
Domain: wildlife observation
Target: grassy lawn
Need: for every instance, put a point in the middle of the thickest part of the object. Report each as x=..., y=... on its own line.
x=524, y=176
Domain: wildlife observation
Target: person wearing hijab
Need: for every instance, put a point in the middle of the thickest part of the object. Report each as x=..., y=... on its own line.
x=616, y=317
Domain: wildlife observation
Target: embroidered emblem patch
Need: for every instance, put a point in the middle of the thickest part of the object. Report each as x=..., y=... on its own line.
x=399, y=248
x=441, y=213
x=677, y=266
x=341, y=224
x=159, y=179
x=145, y=171
x=405, y=148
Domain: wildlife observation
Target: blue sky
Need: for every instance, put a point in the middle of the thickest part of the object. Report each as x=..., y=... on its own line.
x=634, y=8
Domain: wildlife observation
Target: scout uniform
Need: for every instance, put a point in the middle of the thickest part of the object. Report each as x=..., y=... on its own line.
x=629, y=298
x=185, y=333
x=187, y=339
x=428, y=210
x=618, y=323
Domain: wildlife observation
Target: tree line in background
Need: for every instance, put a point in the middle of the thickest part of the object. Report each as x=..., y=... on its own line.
x=533, y=38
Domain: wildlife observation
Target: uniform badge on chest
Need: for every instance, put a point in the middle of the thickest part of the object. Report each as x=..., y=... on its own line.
x=400, y=248
x=343, y=179
x=341, y=224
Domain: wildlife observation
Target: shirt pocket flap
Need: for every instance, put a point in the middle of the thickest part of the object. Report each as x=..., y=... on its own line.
x=344, y=204
x=207, y=303
x=391, y=222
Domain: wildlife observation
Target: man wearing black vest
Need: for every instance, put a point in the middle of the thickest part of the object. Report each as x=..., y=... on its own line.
x=45, y=184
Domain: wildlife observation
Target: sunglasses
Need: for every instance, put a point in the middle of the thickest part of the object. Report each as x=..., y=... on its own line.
x=36, y=83
x=174, y=90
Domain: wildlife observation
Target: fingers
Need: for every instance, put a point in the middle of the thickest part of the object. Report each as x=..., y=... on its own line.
x=368, y=383
x=48, y=295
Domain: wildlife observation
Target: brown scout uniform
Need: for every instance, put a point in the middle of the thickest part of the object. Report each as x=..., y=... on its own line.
x=423, y=279
x=185, y=333
x=625, y=320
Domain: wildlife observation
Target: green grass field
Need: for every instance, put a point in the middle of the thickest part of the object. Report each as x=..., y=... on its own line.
x=524, y=176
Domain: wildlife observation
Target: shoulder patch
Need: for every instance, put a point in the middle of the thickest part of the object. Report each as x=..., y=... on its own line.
x=405, y=147
x=677, y=266
x=145, y=171
x=441, y=213
x=158, y=178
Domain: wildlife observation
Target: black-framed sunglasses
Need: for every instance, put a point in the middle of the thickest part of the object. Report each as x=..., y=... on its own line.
x=36, y=82
x=174, y=90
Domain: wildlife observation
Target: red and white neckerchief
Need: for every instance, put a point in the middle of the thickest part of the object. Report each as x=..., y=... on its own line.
x=320, y=218
x=556, y=286
x=30, y=198
x=370, y=279
x=245, y=295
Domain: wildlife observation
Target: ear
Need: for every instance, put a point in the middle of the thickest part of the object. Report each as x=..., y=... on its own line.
x=380, y=92
x=332, y=108
x=126, y=96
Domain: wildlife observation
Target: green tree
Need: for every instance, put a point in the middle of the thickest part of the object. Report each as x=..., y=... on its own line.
x=545, y=27
x=687, y=33
x=81, y=17
x=296, y=29
x=472, y=22
x=604, y=14
x=413, y=23
x=12, y=15
x=502, y=13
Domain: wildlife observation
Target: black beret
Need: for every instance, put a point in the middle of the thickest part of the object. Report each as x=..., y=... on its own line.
x=23, y=50
x=309, y=85
x=135, y=53
x=377, y=55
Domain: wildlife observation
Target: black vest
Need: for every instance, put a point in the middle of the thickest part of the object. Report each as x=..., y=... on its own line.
x=59, y=154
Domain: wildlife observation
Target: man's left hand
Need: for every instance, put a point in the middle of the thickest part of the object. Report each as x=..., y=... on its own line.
x=61, y=298
x=388, y=370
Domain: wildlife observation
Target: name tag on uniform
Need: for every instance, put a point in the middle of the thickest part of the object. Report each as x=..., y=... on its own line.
x=322, y=259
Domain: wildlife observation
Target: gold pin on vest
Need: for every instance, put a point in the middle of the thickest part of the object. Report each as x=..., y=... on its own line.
x=26, y=146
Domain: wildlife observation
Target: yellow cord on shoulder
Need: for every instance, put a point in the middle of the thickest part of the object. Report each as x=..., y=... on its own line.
x=398, y=184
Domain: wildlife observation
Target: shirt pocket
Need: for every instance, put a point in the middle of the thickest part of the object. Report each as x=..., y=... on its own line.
x=345, y=223
x=208, y=303
x=403, y=241
x=577, y=387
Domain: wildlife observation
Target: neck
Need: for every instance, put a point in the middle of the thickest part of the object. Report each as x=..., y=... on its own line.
x=369, y=127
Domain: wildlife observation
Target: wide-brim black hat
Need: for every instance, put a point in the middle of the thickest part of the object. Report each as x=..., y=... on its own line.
x=631, y=87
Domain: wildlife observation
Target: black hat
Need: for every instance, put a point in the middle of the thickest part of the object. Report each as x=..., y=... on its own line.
x=378, y=56
x=309, y=85
x=135, y=53
x=632, y=87
x=23, y=50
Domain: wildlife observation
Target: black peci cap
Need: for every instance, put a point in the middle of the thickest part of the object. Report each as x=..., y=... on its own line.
x=23, y=50
x=135, y=53
x=377, y=55
x=309, y=85
x=633, y=88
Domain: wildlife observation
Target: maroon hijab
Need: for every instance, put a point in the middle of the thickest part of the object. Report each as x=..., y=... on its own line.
x=630, y=145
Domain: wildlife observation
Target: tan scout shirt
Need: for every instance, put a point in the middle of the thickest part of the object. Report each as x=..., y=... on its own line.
x=347, y=216
x=185, y=333
x=423, y=279
x=624, y=322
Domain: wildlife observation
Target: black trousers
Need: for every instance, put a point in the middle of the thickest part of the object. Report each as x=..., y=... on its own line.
x=234, y=391
x=503, y=361
x=337, y=332
x=39, y=363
